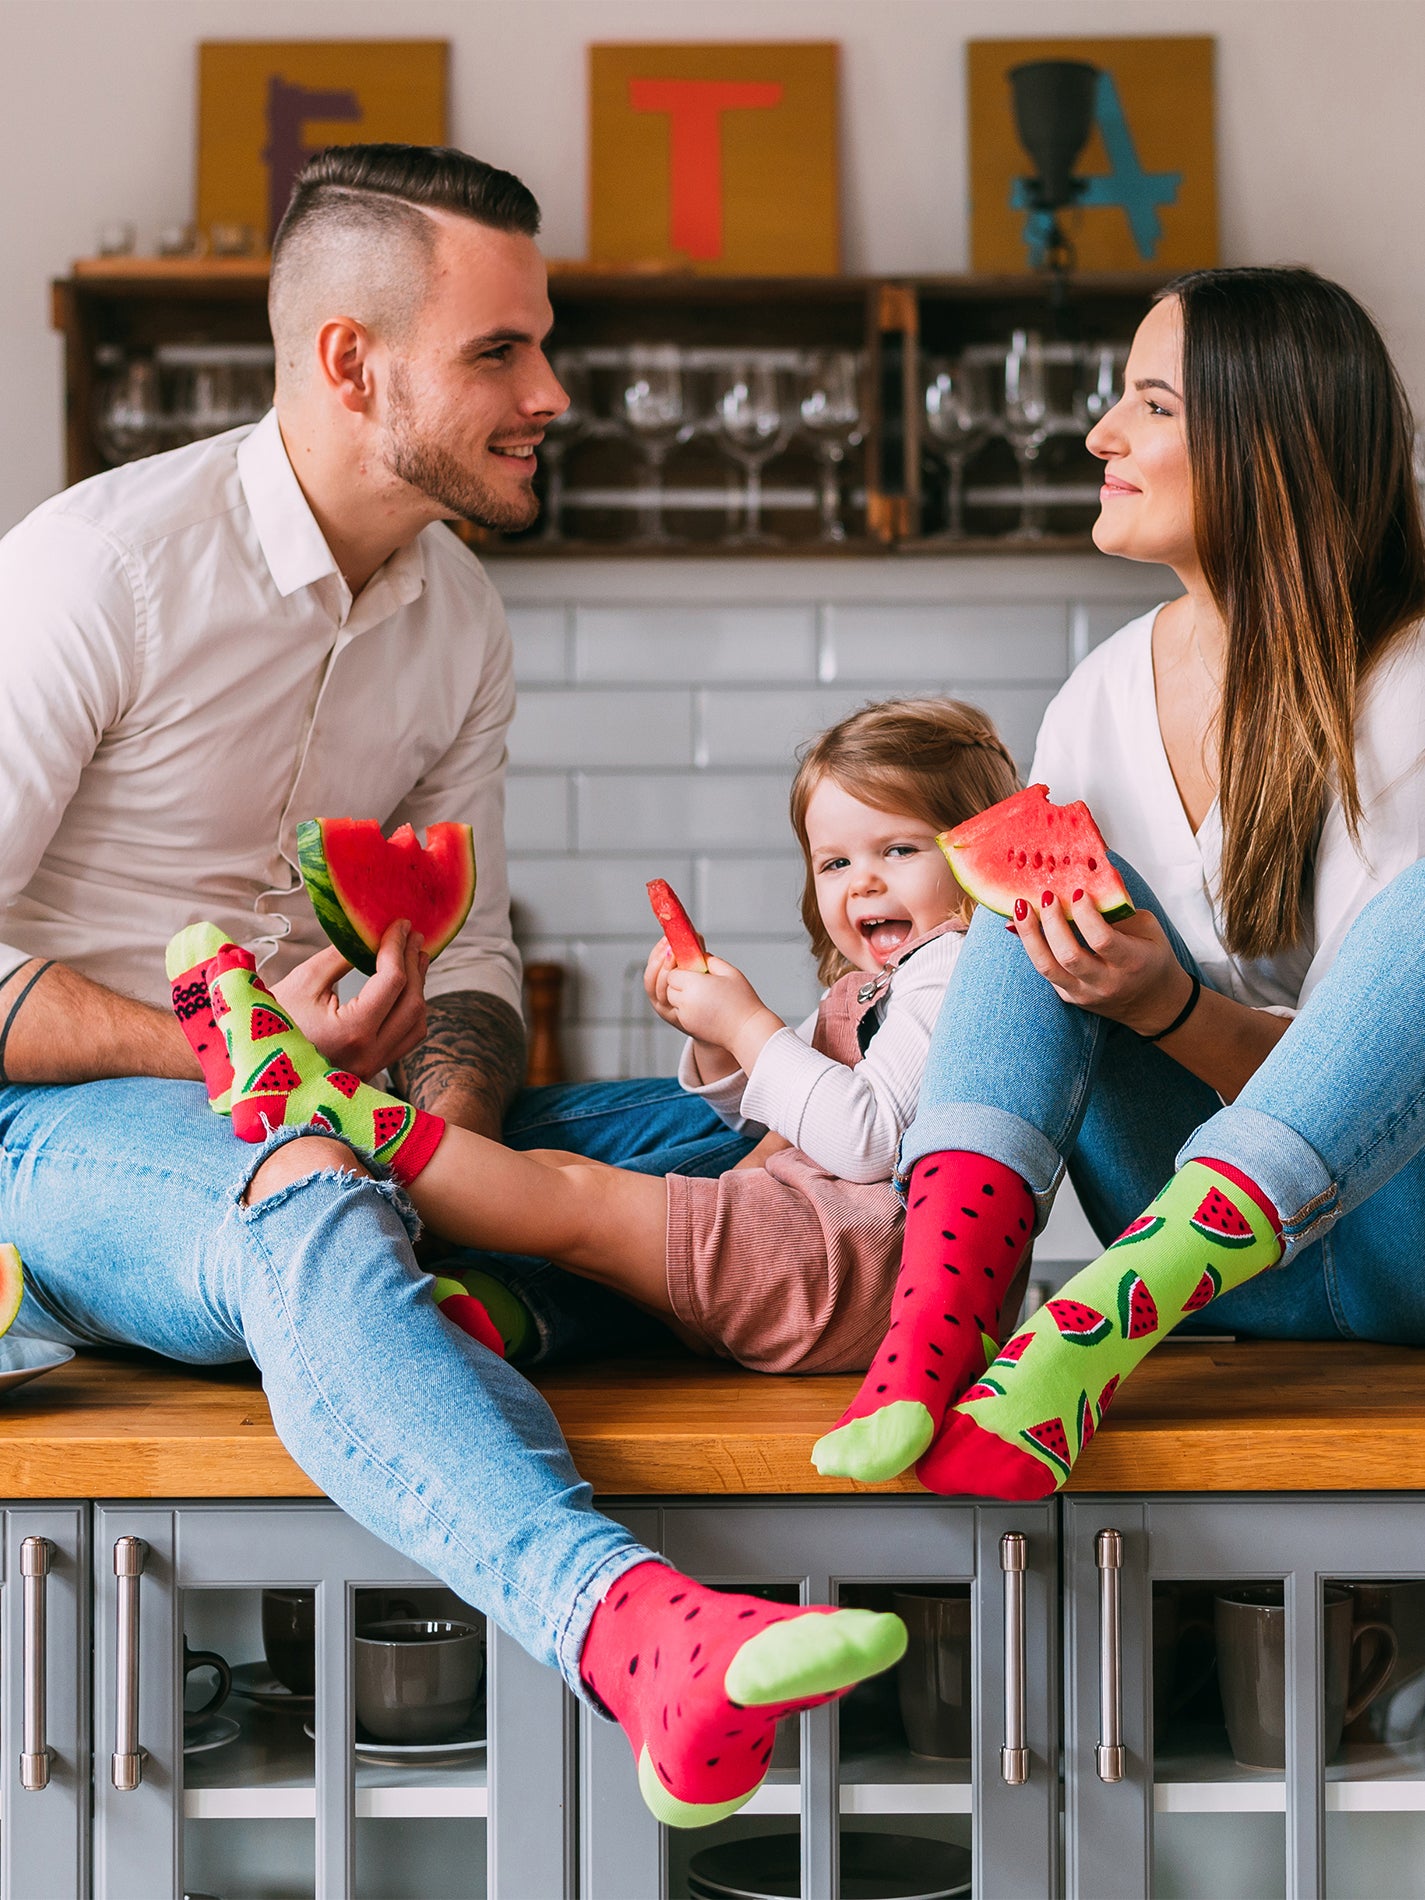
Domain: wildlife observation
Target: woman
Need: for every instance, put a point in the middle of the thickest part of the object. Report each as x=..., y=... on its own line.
x=1254, y=749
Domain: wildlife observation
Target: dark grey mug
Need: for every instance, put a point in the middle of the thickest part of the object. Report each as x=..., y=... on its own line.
x=289, y=1638
x=1251, y=1669
x=206, y=1659
x=934, y=1676
x=417, y=1677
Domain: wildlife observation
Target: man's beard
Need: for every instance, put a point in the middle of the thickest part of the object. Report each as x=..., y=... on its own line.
x=425, y=464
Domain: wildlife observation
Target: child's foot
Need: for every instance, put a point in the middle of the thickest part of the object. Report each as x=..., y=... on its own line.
x=969, y=1222
x=485, y=1308
x=698, y=1680
x=280, y=1080
x=1016, y=1434
x=187, y=962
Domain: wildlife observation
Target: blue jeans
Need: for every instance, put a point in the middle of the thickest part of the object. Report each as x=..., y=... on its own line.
x=1331, y=1126
x=125, y=1199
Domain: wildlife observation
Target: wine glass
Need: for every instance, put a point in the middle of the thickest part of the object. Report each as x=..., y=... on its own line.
x=751, y=413
x=959, y=419
x=573, y=375
x=1026, y=420
x=831, y=413
x=1100, y=382
x=654, y=408
x=130, y=419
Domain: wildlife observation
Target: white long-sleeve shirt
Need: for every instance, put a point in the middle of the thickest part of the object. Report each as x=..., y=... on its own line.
x=184, y=675
x=849, y=1121
x=1100, y=741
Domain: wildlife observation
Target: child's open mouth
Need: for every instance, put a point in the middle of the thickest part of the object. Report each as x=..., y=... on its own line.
x=885, y=935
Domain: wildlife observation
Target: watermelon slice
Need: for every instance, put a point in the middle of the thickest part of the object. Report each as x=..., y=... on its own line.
x=986, y=1389
x=1086, y=1425
x=1206, y=1290
x=360, y=882
x=12, y=1285
x=1049, y=1436
x=1137, y=1309
x=1218, y=1220
x=1084, y=1325
x=266, y=1022
x=1013, y=1350
x=1105, y=1398
x=683, y=940
x=1141, y=1229
x=274, y=1075
x=1024, y=846
x=389, y=1124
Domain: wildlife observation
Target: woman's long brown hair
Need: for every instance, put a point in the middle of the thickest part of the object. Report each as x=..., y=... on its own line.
x=1307, y=524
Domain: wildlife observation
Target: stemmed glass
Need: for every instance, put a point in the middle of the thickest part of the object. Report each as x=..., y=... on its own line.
x=654, y=408
x=959, y=420
x=1026, y=412
x=1100, y=382
x=559, y=431
x=130, y=419
x=831, y=414
x=751, y=414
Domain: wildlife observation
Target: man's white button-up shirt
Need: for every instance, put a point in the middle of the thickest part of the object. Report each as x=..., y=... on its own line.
x=184, y=675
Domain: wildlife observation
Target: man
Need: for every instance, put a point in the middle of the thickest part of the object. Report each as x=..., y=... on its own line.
x=197, y=652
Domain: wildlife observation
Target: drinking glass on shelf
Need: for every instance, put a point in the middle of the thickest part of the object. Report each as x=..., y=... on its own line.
x=129, y=423
x=559, y=431
x=831, y=414
x=1026, y=420
x=118, y=238
x=654, y=409
x=959, y=419
x=1099, y=383
x=752, y=415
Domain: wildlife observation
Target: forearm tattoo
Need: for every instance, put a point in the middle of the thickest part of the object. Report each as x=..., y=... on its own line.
x=14, y=1004
x=474, y=1047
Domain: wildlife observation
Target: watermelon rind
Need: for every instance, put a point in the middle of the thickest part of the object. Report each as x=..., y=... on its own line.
x=1086, y=1424
x=1137, y=1309
x=1220, y=1222
x=1025, y=845
x=352, y=929
x=1143, y=1228
x=12, y=1285
x=985, y=1389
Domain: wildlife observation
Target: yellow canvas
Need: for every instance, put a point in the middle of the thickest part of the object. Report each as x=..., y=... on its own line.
x=1151, y=199
x=265, y=106
x=719, y=159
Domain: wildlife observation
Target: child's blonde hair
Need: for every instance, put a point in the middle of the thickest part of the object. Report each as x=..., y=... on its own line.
x=937, y=760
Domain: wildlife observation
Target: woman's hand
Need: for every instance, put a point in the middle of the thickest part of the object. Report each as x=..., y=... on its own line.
x=1126, y=971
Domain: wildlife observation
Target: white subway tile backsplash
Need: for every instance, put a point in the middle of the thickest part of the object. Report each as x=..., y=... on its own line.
x=686, y=643
x=541, y=642
x=783, y=973
x=537, y=812
x=655, y=811
x=611, y=1052
x=578, y=896
x=606, y=974
x=959, y=641
x=758, y=896
x=1107, y=616
x=594, y=726
x=747, y=727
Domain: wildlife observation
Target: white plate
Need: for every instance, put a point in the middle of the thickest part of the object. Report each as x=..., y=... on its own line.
x=209, y=1731
x=467, y=1746
x=25, y=1359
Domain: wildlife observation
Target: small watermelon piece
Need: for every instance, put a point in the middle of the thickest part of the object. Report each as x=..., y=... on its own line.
x=1084, y=1325
x=1143, y=1228
x=1137, y=1309
x=325, y=1118
x=274, y=1075
x=12, y=1285
x=1049, y=1436
x=1219, y=1221
x=360, y=882
x=683, y=940
x=1013, y=1350
x=389, y=1123
x=986, y=1389
x=1086, y=1424
x=1105, y=1398
x=1206, y=1290
x=344, y=1082
x=1024, y=846
x=266, y=1022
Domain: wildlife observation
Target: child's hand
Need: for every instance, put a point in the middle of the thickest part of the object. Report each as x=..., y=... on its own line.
x=719, y=1009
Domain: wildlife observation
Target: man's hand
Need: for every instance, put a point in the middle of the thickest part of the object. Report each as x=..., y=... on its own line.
x=384, y=1022
x=470, y=1064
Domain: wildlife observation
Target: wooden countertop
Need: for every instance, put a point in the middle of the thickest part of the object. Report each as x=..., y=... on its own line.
x=1255, y=1416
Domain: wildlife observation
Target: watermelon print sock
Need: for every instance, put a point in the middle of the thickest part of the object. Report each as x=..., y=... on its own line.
x=485, y=1308
x=698, y=1680
x=968, y=1224
x=1016, y=1434
x=280, y=1080
x=186, y=965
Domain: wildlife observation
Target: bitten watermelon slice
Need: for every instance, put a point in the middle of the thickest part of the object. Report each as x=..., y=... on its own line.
x=12, y=1285
x=683, y=940
x=360, y=882
x=1137, y=1309
x=1218, y=1220
x=1140, y=1229
x=1024, y=846
x=1049, y=1436
x=1206, y=1290
x=1084, y=1325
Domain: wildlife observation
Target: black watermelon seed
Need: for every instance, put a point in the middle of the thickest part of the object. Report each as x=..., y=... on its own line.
x=665, y=1715
x=928, y=1172
x=890, y=1359
x=1009, y=1240
x=663, y=1775
x=936, y=1350
x=728, y=1733
x=766, y=1754
x=880, y=1388
x=906, y=1295
x=973, y=1212
x=656, y=1654
x=986, y=1188
x=679, y=1598
x=622, y=1600
x=742, y=1615
x=950, y=1269
x=932, y=1375
x=945, y=1234
x=700, y=1671
x=1024, y=1227
x=918, y=1203
x=633, y=1666
x=697, y=1651
x=952, y=1319
x=695, y=1611
x=713, y=1760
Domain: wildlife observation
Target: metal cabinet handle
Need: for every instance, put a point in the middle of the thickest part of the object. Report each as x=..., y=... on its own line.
x=1109, y=1755
x=35, y=1753
x=127, y=1765
x=1014, y=1756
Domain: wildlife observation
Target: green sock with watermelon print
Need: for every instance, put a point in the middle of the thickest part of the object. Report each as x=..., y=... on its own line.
x=281, y=1081
x=1015, y=1434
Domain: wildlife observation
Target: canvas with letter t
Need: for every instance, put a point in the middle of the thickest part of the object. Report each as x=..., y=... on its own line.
x=264, y=107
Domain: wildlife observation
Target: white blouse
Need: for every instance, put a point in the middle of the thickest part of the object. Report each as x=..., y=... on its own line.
x=849, y=1121
x=1100, y=741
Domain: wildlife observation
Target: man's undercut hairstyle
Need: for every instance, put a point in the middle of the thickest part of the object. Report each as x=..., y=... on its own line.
x=355, y=237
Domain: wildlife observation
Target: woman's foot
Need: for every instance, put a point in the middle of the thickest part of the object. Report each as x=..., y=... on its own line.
x=1017, y=1432
x=968, y=1225
x=698, y=1680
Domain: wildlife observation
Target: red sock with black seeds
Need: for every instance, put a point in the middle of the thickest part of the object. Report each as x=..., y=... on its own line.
x=968, y=1225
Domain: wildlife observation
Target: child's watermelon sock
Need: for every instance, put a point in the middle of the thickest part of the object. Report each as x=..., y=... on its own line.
x=280, y=1080
x=1017, y=1432
x=699, y=1679
x=186, y=964
x=485, y=1308
x=968, y=1224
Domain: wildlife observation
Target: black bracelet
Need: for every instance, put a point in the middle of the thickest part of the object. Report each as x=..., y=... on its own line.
x=14, y=1011
x=1187, y=1009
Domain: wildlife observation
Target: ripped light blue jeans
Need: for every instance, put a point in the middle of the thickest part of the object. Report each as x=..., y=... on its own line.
x=1331, y=1126
x=126, y=1201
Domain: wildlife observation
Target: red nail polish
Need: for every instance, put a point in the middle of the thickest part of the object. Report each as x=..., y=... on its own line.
x=1021, y=908
x=1077, y=895
x=1047, y=899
